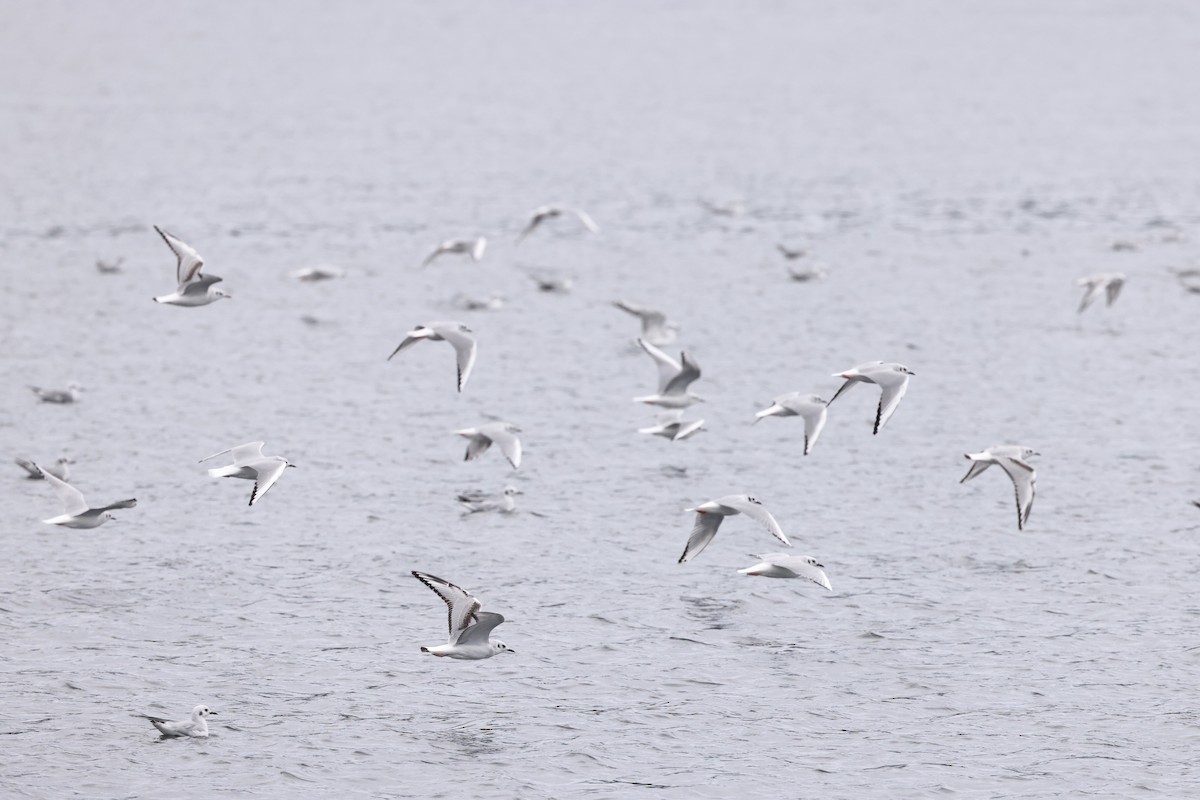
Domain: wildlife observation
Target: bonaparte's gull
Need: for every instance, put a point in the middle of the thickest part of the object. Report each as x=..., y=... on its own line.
x=68, y=395
x=194, y=289
x=656, y=328
x=196, y=727
x=782, y=565
x=503, y=434
x=674, y=378
x=809, y=406
x=814, y=273
x=476, y=501
x=892, y=380
x=250, y=464
x=321, y=273
x=1106, y=283
x=76, y=513
x=109, y=267
x=789, y=253
x=543, y=213
x=472, y=247
x=671, y=425
x=60, y=470
x=469, y=627
x=709, y=516
x=458, y=335
x=1014, y=460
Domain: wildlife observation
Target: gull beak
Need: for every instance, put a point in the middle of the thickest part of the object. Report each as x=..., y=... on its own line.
x=291, y=465
x=212, y=713
x=822, y=566
x=514, y=652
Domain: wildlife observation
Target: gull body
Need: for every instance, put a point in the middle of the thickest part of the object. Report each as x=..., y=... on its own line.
x=789, y=253
x=892, y=380
x=656, y=328
x=470, y=302
x=782, y=565
x=457, y=334
x=674, y=378
x=814, y=273
x=710, y=515
x=470, y=628
x=1014, y=460
x=60, y=470
x=811, y=407
x=671, y=425
x=315, y=274
x=477, y=502
x=1105, y=283
x=543, y=213
x=194, y=289
x=60, y=396
x=109, y=267
x=76, y=512
x=503, y=434
x=196, y=727
x=250, y=464
x=472, y=247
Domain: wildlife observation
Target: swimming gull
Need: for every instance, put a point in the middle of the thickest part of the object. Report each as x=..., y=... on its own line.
x=68, y=395
x=476, y=502
x=196, y=727
x=60, y=470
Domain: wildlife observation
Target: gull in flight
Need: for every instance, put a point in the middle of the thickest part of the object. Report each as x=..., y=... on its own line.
x=472, y=247
x=458, y=335
x=68, y=395
x=671, y=425
x=892, y=380
x=709, y=516
x=250, y=464
x=1013, y=459
x=790, y=254
x=476, y=501
x=76, y=513
x=544, y=213
x=469, y=627
x=1107, y=283
x=315, y=274
x=656, y=328
x=503, y=434
x=782, y=565
x=674, y=378
x=60, y=470
x=109, y=267
x=795, y=404
x=194, y=289
x=196, y=727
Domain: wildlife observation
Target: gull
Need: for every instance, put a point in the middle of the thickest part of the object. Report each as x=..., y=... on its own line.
x=322, y=273
x=788, y=253
x=782, y=565
x=196, y=727
x=809, y=406
x=735, y=209
x=477, y=501
x=250, y=464
x=674, y=378
x=1013, y=459
x=672, y=426
x=656, y=328
x=76, y=513
x=468, y=302
x=543, y=213
x=1106, y=283
x=469, y=627
x=1189, y=279
x=472, y=247
x=551, y=282
x=500, y=433
x=892, y=380
x=814, y=273
x=60, y=470
x=709, y=516
x=109, y=267
x=68, y=395
x=457, y=334
x=194, y=289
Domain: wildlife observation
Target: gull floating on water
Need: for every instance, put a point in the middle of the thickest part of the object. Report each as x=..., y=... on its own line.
x=469, y=627
x=814, y=273
x=656, y=328
x=503, y=434
x=550, y=282
x=250, y=464
x=476, y=501
x=674, y=378
x=68, y=395
x=76, y=513
x=60, y=470
x=795, y=404
x=1013, y=459
x=194, y=289
x=196, y=727
x=782, y=565
x=892, y=380
x=109, y=267
x=710, y=515
x=314, y=274
x=788, y=253
x=470, y=302
x=458, y=335
x=671, y=425
x=472, y=247
x=544, y=213
x=1107, y=283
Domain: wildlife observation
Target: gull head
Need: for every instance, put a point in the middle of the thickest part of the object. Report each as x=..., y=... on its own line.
x=287, y=463
x=512, y=428
x=501, y=647
x=108, y=515
x=511, y=490
x=200, y=712
x=1026, y=452
x=812, y=562
x=904, y=369
x=754, y=500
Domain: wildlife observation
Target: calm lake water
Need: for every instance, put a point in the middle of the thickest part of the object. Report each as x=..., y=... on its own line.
x=955, y=165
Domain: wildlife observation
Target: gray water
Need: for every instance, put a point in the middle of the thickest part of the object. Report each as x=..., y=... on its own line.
x=956, y=165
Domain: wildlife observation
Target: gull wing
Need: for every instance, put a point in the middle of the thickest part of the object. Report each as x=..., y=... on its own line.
x=1094, y=289
x=889, y=399
x=130, y=503
x=33, y=469
x=509, y=444
x=482, y=629
x=415, y=335
x=702, y=533
x=199, y=285
x=976, y=468
x=849, y=382
x=478, y=247
x=267, y=475
x=462, y=607
x=465, y=351
x=587, y=221
x=687, y=429
x=188, y=261
x=240, y=454
x=813, y=425
x=72, y=498
x=757, y=512
x=477, y=446
x=1024, y=478
x=429, y=259
x=538, y=215
x=689, y=372
x=1113, y=289
x=668, y=367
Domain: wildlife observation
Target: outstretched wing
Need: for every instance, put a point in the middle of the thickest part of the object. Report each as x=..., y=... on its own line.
x=188, y=261
x=463, y=608
x=976, y=468
x=689, y=372
x=464, y=351
x=1093, y=291
x=668, y=367
x=509, y=444
x=587, y=221
x=482, y=629
x=72, y=498
x=813, y=425
x=702, y=533
x=240, y=454
x=889, y=400
x=1024, y=479
x=1113, y=289
x=757, y=512
x=265, y=480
